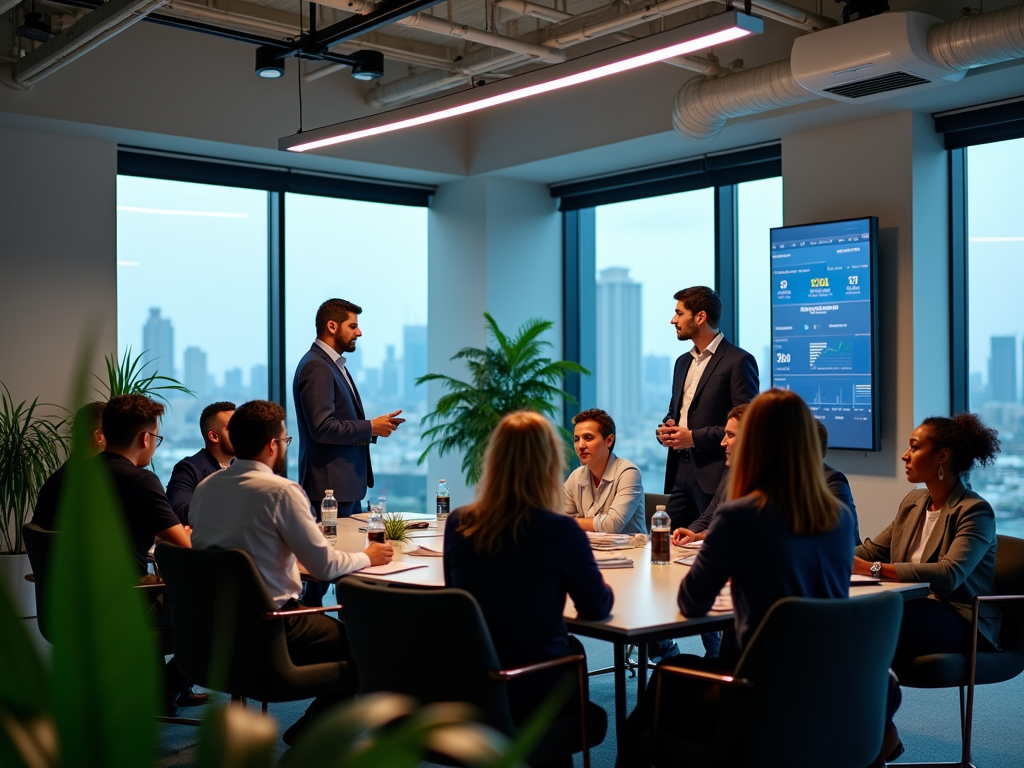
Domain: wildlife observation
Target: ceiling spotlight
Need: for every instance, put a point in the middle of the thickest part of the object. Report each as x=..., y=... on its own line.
x=369, y=66
x=268, y=63
x=34, y=28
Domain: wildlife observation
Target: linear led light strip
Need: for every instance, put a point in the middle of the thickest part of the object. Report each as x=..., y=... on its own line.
x=729, y=26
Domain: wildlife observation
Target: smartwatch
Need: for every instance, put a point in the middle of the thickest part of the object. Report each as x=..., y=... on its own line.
x=876, y=570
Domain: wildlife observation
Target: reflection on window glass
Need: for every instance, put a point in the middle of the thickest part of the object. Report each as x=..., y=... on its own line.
x=192, y=296
x=760, y=209
x=995, y=270
x=375, y=256
x=646, y=251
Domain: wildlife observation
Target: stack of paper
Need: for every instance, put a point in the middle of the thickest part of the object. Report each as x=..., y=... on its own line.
x=614, y=561
x=609, y=541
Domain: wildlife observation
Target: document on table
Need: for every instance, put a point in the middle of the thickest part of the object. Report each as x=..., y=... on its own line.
x=393, y=567
x=864, y=580
x=422, y=551
x=693, y=545
x=614, y=561
x=685, y=560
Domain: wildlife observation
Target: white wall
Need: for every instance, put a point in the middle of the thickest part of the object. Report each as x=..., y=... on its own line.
x=892, y=167
x=58, y=243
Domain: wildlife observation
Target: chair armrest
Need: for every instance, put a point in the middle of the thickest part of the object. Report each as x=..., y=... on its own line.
x=529, y=669
x=271, y=615
x=152, y=585
x=997, y=598
x=696, y=674
x=30, y=577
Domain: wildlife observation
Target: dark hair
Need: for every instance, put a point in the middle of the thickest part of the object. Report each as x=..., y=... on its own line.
x=336, y=310
x=822, y=436
x=206, y=417
x=605, y=424
x=90, y=414
x=737, y=412
x=127, y=415
x=253, y=425
x=968, y=439
x=700, y=298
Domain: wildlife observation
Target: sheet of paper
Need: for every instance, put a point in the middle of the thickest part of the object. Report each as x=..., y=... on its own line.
x=394, y=566
x=685, y=560
x=421, y=551
x=863, y=579
x=694, y=544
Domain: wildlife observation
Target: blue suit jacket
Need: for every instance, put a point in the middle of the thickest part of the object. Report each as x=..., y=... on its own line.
x=730, y=379
x=187, y=474
x=334, y=433
x=839, y=487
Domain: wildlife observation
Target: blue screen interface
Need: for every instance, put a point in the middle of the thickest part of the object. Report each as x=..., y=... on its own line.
x=822, y=324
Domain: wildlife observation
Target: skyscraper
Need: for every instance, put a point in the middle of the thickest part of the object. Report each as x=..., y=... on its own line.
x=197, y=378
x=390, y=379
x=233, y=382
x=619, y=370
x=259, y=384
x=414, y=362
x=1002, y=369
x=158, y=344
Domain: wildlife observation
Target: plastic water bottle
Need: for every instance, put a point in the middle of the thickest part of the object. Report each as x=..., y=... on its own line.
x=375, y=525
x=444, y=500
x=329, y=513
x=661, y=533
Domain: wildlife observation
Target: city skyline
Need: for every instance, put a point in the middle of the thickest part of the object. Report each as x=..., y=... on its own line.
x=618, y=302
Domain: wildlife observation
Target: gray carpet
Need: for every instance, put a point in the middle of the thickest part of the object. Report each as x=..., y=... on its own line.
x=928, y=720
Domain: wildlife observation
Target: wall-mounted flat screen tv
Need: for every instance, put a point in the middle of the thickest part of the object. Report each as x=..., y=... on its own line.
x=825, y=325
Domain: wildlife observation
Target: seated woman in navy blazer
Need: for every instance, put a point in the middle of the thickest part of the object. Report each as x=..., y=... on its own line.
x=945, y=535
x=520, y=558
x=783, y=534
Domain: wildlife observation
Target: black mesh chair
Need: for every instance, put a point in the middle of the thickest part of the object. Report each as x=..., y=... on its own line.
x=809, y=690
x=651, y=502
x=453, y=659
x=957, y=670
x=229, y=635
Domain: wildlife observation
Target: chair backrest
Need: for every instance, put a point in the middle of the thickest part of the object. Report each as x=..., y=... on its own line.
x=651, y=502
x=1010, y=581
x=820, y=678
x=39, y=544
x=449, y=658
x=220, y=640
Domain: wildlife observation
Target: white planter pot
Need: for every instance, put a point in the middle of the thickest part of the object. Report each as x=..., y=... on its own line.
x=12, y=575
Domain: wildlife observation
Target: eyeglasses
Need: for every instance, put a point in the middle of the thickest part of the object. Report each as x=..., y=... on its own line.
x=285, y=440
x=159, y=438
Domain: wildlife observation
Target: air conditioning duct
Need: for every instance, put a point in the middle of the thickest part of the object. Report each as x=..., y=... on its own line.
x=869, y=59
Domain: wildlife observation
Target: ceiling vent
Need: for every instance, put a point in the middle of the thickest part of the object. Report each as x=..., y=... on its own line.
x=870, y=59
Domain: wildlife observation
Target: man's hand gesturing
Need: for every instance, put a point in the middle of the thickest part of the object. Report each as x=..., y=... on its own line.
x=382, y=426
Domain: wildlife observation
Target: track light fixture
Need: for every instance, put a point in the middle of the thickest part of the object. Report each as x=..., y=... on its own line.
x=268, y=63
x=369, y=65
x=33, y=27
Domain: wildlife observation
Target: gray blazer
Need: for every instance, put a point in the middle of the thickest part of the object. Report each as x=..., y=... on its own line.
x=959, y=559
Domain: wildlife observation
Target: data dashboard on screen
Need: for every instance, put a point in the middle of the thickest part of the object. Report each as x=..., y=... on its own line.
x=825, y=325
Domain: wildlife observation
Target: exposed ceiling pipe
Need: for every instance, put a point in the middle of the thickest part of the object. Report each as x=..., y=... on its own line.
x=792, y=15
x=451, y=29
x=426, y=83
x=703, y=106
x=706, y=66
x=89, y=32
x=526, y=8
x=649, y=12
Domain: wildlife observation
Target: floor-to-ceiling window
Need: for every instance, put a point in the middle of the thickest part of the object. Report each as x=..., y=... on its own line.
x=995, y=271
x=374, y=255
x=192, y=296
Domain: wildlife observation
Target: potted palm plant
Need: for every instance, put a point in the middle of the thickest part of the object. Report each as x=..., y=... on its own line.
x=32, y=447
x=512, y=375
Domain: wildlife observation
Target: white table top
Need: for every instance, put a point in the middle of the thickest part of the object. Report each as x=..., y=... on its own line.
x=645, y=595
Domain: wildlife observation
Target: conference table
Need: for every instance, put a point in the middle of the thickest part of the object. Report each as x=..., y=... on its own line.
x=645, y=598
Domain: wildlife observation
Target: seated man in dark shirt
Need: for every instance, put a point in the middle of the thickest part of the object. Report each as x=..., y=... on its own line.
x=837, y=483
x=216, y=454
x=45, y=512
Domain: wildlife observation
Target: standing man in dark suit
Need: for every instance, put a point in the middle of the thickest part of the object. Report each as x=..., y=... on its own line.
x=334, y=433
x=709, y=381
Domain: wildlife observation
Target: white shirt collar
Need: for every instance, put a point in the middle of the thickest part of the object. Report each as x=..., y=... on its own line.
x=247, y=465
x=710, y=349
x=334, y=355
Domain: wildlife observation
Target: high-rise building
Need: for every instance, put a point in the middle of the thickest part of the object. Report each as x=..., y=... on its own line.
x=619, y=372
x=658, y=370
x=197, y=377
x=1002, y=369
x=158, y=344
x=390, y=378
x=259, y=383
x=233, y=382
x=414, y=362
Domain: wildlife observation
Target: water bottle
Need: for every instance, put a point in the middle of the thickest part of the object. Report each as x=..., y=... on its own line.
x=444, y=500
x=375, y=525
x=329, y=513
x=661, y=532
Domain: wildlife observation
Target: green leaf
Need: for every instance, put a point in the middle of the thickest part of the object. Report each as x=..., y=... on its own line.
x=129, y=377
x=234, y=737
x=105, y=669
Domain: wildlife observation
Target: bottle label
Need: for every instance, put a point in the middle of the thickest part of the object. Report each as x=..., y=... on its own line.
x=443, y=505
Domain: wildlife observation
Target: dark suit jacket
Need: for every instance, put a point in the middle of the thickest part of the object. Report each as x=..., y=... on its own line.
x=959, y=559
x=730, y=379
x=839, y=487
x=187, y=474
x=334, y=433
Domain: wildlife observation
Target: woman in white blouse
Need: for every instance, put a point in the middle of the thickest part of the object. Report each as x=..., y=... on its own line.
x=945, y=535
x=605, y=494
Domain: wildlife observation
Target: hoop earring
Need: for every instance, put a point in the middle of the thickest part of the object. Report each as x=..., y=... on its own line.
x=942, y=473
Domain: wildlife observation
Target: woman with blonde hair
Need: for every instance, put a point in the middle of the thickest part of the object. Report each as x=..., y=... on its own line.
x=781, y=534
x=516, y=552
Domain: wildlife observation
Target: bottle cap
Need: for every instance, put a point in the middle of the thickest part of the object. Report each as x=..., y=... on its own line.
x=442, y=479
x=659, y=508
x=328, y=492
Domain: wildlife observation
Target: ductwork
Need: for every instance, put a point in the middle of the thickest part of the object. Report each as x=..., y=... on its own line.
x=703, y=106
x=526, y=8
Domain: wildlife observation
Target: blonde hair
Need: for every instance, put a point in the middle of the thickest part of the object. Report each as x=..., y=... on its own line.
x=523, y=468
x=778, y=459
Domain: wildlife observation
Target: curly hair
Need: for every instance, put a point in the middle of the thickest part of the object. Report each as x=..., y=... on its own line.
x=605, y=423
x=970, y=442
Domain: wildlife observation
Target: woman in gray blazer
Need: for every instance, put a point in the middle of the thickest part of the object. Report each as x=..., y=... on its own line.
x=944, y=534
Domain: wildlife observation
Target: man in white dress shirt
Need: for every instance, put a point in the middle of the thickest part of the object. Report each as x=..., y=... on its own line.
x=249, y=507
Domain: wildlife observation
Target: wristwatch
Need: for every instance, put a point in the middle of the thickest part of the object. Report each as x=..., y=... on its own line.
x=876, y=570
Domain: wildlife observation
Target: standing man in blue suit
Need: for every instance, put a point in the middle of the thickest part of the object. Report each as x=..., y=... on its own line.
x=334, y=433
x=710, y=380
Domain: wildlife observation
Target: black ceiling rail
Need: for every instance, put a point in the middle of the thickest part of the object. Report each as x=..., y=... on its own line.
x=385, y=13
